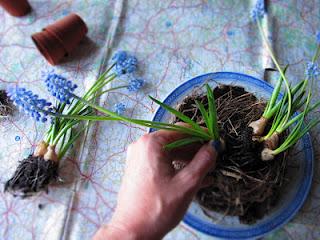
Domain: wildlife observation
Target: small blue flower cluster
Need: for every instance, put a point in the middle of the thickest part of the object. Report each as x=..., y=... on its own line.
x=318, y=37
x=128, y=64
x=258, y=11
x=60, y=87
x=135, y=84
x=119, y=108
x=312, y=70
x=124, y=63
x=30, y=103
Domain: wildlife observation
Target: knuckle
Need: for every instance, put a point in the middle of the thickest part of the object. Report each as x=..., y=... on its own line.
x=206, y=153
x=190, y=179
x=194, y=178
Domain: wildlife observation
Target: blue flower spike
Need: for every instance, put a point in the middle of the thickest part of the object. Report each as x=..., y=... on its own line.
x=258, y=11
x=135, y=84
x=119, y=56
x=125, y=63
x=30, y=103
x=60, y=87
x=318, y=37
x=312, y=70
x=119, y=108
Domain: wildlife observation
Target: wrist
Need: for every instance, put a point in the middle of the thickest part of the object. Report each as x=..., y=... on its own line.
x=129, y=230
x=115, y=232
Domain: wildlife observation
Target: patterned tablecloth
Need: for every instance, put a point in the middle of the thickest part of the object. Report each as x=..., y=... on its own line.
x=174, y=41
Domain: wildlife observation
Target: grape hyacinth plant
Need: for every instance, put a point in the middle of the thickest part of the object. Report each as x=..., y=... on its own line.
x=282, y=108
x=38, y=170
x=35, y=173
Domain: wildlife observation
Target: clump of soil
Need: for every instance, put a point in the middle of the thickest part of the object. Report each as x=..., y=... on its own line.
x=244, y=185
x=5, y=104
x=32, y=176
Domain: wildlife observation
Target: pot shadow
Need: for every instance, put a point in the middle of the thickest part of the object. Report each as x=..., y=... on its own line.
x=84, y=51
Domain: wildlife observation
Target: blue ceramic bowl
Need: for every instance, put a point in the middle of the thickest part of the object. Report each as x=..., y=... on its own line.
x=295, y=191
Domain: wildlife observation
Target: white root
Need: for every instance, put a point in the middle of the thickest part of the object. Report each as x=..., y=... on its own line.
x=51, y=154
x=223, y=145
x=41, y=149
x=258, y=126
x=178, y=165
x=267, y=154
x=272, y=142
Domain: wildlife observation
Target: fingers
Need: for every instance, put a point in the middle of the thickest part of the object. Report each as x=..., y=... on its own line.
x=193, y=174
x=185, y=153
x=169, y=136
x=206, y=182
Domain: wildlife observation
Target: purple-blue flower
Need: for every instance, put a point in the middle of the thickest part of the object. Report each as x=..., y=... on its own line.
x=318, y=37
x=259, y=10
x=119, y=56
x=125, y=63
x=119, y=108
x=30, y=103
x=60, y=87
x=135, y=84
x=312, y=69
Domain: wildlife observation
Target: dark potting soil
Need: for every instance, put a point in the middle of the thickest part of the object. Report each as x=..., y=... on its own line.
x=5, y=105
x=31, y=176
x=243, y=184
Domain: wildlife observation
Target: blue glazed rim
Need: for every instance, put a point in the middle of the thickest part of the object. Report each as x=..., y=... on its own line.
x=285, y=214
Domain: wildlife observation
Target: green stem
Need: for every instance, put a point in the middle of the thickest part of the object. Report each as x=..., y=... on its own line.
x=316, y=55
x=110, y=89
x=141, y=122
x=63, y=131
x=279, y=69
x=65, y=148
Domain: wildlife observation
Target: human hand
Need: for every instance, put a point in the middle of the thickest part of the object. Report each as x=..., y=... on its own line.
x=153, y=197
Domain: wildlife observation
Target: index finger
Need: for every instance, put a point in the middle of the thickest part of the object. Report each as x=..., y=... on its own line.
x=169, y=136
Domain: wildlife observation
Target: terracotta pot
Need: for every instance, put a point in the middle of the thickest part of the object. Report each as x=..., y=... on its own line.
x=51, y=48
x=16, y=8
x=59, y=39
x=70, y=30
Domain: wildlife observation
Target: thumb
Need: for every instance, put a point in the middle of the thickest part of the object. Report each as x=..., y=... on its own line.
x=204, y=160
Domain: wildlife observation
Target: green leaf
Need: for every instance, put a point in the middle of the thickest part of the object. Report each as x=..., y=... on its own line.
x=178, y=114
x=205, y=116
x=66, y=146
x=213, y=121
x=183, y=142
x=268, y=113
x=311, y=124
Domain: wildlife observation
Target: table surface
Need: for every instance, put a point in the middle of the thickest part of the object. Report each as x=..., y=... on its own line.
x=174, y=41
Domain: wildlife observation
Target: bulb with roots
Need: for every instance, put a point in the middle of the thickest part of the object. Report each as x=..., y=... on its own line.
x=34, y=173
x=258, y=126
x=272, y=142
x=267, y=154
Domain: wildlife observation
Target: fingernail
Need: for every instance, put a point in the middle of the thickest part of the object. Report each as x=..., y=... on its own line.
x=216, y=144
